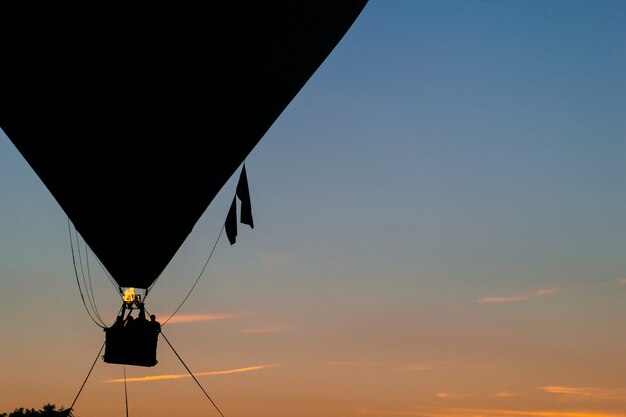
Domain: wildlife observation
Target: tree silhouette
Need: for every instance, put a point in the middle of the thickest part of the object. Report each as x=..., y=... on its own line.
x=48, y=410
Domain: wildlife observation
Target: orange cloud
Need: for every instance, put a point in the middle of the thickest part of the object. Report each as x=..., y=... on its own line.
x=445, y=394
x=179, y=376
x=504, y=394
x=188, y=318
x=588, y=393
x=621, y=281
x=521, y=297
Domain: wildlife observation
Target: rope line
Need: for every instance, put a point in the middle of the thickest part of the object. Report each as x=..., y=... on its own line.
x=198, y=278
x=85, y=289
x=88, y=289
x=192, y=375
x=87, y=377
x=77, y=279
x=125, y=391
x=93, y=296
x=149, y=289
x=82, y=270
x=118, y=289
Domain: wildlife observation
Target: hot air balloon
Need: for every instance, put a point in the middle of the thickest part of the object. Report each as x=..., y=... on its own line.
x=134, y=117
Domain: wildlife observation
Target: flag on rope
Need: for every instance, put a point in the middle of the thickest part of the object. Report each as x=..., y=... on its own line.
x=243, y=193
x=231, y=222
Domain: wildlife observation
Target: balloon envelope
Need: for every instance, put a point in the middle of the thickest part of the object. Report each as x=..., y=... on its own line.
x=135, y=118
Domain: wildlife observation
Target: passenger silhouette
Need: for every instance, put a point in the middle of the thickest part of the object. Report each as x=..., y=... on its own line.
x=155, y=325
x=142, y=312
x=119, y=321
x=130, y=322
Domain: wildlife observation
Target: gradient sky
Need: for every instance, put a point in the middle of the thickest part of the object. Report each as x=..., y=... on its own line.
x=440, y=231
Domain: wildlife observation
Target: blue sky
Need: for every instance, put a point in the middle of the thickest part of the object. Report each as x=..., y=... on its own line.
x=446, y=152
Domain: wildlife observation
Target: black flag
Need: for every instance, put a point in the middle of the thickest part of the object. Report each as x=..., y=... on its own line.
x=231, y=222
x=243, y=192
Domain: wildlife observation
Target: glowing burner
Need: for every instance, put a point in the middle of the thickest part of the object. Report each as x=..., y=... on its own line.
x=129, y=295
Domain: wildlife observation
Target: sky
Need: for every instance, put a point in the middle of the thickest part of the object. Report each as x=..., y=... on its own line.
x=440, y=229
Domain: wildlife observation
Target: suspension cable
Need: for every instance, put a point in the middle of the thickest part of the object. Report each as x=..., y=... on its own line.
x=82, y=270
x=87, y=377
x=78, y=280
x=93, y=296
x=88, y=289
x=192, y=375
x=118, y=289
x=198, y=278
x=125, y=391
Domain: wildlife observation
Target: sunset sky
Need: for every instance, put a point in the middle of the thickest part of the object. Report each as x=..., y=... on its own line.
x=440, y=231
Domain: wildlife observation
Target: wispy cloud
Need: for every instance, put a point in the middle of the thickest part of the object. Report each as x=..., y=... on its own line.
x=188, y=318
x=180, y=376
x=473, y=412
x=446, y=395
x=520, y=297
x=621, y=281
x=271, y=328
x=587, y=393
x=504, y=394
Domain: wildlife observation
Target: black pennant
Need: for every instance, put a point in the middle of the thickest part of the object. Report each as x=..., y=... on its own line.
x=231, y=222
x=243, y=192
